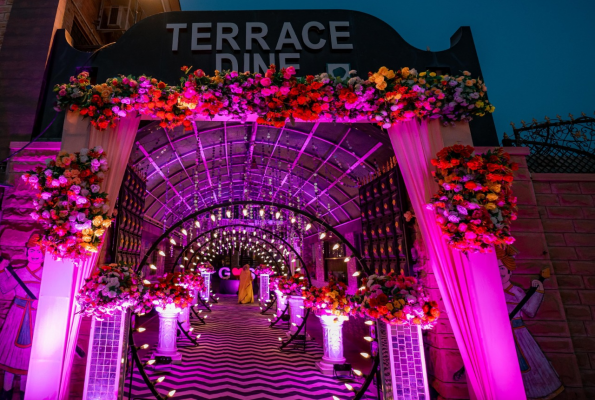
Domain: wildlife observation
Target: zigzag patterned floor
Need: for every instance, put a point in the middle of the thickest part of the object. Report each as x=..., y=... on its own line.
x=238, y=358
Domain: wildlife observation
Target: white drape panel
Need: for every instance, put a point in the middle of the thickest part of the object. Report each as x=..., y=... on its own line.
x=470, y=286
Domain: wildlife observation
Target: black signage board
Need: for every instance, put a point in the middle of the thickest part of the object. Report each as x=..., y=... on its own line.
x=313, y=41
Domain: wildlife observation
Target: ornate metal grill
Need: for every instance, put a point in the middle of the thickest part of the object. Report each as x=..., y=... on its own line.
x=559, y=146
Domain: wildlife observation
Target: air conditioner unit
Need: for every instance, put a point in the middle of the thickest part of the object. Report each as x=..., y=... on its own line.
x=115, y=17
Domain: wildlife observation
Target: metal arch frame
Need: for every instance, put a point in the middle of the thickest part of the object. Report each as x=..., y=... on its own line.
x=264, y=240
x=331, y=184
x=245, y=226
x=354, y=252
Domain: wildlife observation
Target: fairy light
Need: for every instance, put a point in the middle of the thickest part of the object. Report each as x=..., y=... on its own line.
x=213, y=217
x=197, y=224
x=141, y=329
x=336, y=246
x=322, y=235
x=308, y=226
x=356, y=273
x=349, y=387
x=347, y=259
x=160, y=379
x=184, y=232
x=261, y=212
x=172, y=241
x=146, y=282
x=153, y=267
x=357, y=372
x=365, y=355
x=161, y=253
x=171, y=393
x=368, y=338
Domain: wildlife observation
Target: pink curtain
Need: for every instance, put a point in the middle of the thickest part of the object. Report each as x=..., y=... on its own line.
x=117, y=143
x=470, y=286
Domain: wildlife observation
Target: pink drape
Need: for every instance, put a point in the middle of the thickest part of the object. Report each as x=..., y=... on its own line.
x=58, y=348
x=470, y=286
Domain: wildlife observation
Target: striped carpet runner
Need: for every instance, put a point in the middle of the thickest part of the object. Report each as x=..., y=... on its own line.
x=239, y=358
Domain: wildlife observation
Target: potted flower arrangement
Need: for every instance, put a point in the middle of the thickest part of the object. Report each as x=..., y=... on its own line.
x=168, y=293
x=191, y=281
x=263, y=269
x=112, y=288
x=475, y=205
x=290, y=285
x=396, y=300
x=329, y=300
x=70, y=204
x=206, y=268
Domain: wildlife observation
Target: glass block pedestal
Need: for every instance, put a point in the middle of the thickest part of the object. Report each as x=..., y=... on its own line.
x=204, y=294
x=296, y=313
x=281, y=302
x=106, y=369
x=402, y=362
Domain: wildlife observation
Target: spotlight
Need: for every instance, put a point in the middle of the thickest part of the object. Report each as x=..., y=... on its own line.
x=184, y=232
x=308, y=226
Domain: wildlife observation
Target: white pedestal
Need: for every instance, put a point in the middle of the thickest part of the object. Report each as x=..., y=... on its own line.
x=332, y=327
x=168, y=329
x=281, y=303
x=104, y=378
x=195, y=294
x=207, y=290
x=265, y=295
x=401, y=349
x=296, y=312
x=184, y=318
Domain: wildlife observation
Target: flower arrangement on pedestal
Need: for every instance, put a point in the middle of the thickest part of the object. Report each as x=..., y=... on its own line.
x=331, y=299
x=385, y=97
x=168, y=293
x=70, y=204
x=263, y=269
x=289, y=285
x=206, y=268
x=112, y=288
x=396, y=300
x=475, y=204
x=192, y=281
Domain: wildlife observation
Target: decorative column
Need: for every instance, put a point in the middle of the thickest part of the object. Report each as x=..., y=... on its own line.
x=184, y=318
x=204, y=294
x=195, y=294
x=105, y=374
x=296, y=312
x=332, y=328
x=281, y=302
x=167, y=346
x=402, y=362
x=264, y=289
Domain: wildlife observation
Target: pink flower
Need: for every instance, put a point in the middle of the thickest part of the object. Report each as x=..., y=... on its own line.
x=470, y=235
x=265, y=82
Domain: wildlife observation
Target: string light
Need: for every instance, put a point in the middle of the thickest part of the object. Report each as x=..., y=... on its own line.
x=184, y=232
x=356, y=273
x=261, y=213
x=347, y=259
x=171, y=393
x=213, y=217
x=322, y=235
x=197, y=224
x=365, y=355
x=308, y=226
x=153, y=267
x=357, y=372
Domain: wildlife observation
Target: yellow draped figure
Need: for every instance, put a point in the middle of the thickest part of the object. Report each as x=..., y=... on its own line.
x=246, y=294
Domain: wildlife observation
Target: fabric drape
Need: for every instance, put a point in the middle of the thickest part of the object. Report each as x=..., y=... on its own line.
x=246, y=292
x=470, y=286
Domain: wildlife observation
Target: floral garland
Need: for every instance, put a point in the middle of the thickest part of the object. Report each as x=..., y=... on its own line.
x=206, y=268
x=112, y=288
x=385, y=97
x=289, y=286
x=329, y=299
x=70, y=204
x=475, y=204
x=397, y=300
x=192, y=281
x=263, y=269
x=168, y=291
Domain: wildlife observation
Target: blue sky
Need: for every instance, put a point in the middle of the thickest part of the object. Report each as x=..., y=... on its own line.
x=537, y=57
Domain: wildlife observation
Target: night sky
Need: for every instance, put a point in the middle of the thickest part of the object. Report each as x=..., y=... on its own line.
x=537, y=57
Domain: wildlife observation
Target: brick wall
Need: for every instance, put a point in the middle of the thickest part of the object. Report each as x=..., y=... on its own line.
x=566, y=208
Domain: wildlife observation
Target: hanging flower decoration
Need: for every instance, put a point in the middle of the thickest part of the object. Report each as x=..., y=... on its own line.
x=263, y=269
x=385, y=97
x=475, y=205
x=112, y=288
x=69, y=202
x=397, y=300
x=289, y=285
x=168, y=292
x=331, y=299
x=206, y=268
x=192, y=281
